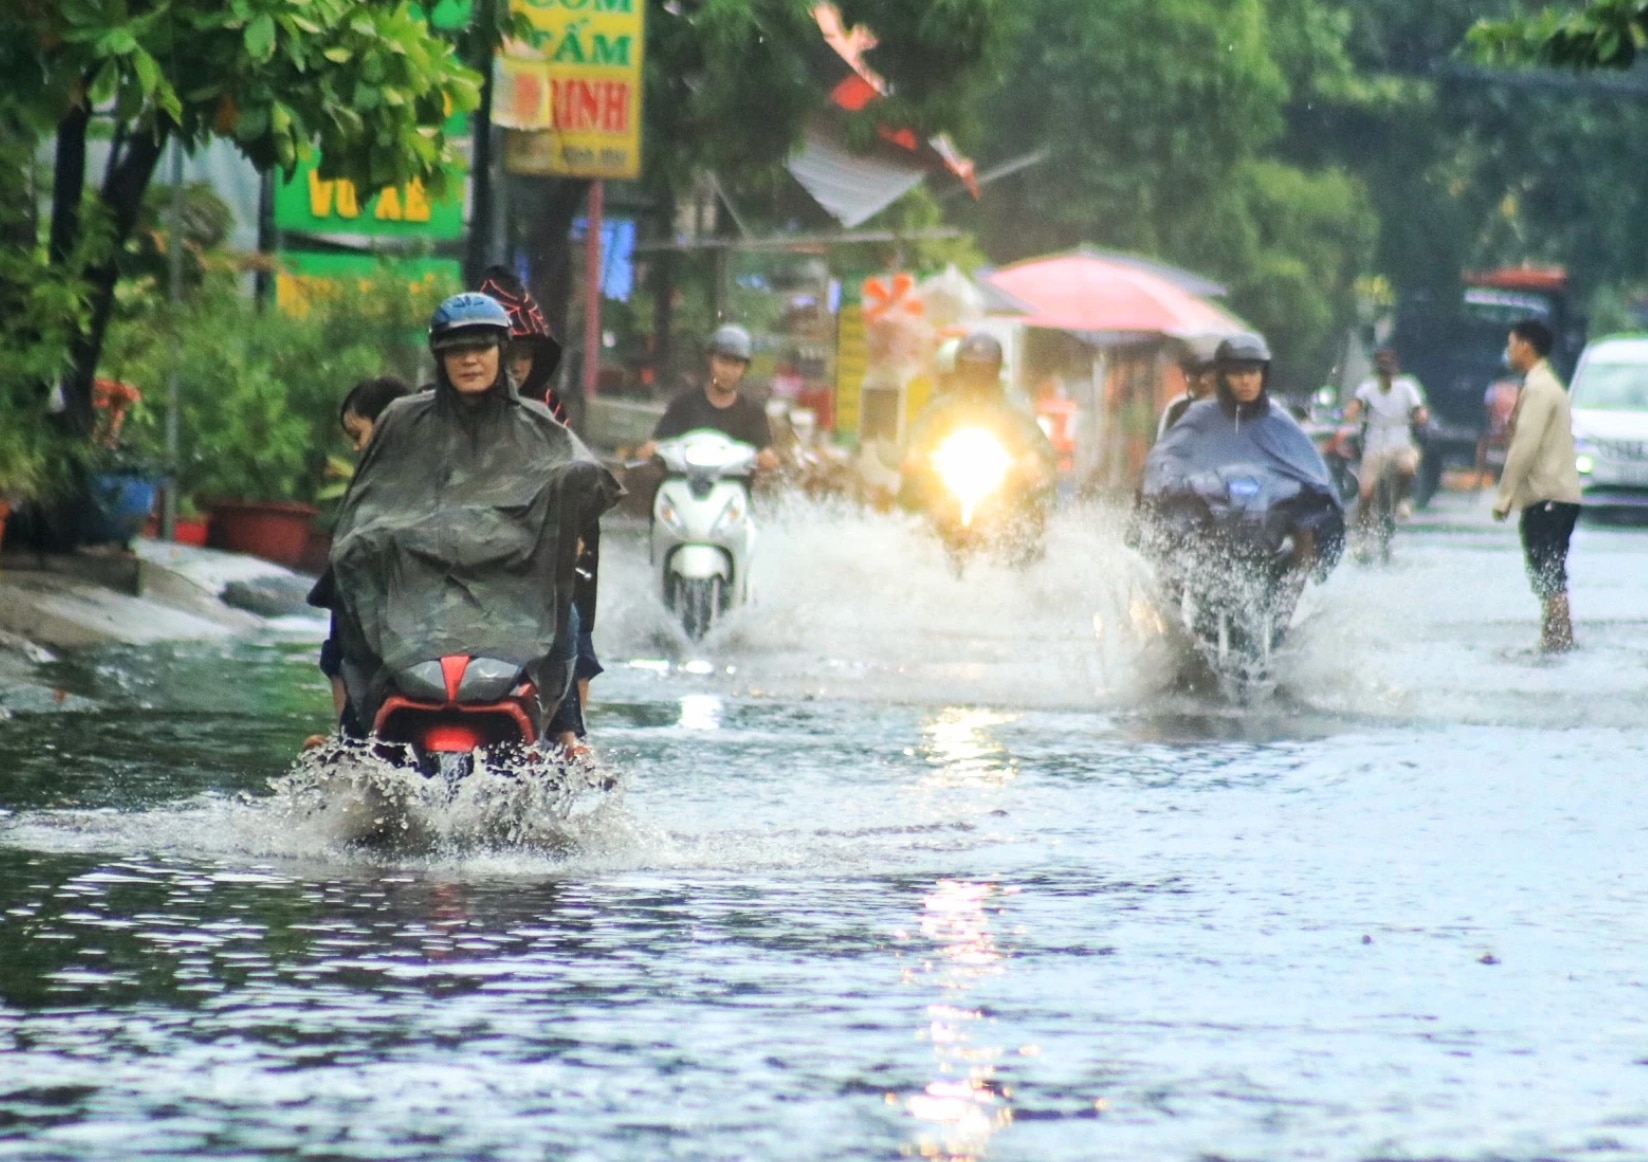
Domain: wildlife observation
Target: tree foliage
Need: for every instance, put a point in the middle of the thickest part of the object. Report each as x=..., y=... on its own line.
x=1163, y=121
x=369, y=84
x=1606, y=34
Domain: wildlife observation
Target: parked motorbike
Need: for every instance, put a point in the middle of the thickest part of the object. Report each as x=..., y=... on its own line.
x=1227, y=553
x=979, y=499
x=702, y=534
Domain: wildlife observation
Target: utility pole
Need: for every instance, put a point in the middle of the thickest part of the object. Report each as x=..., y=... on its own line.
x=592, y=290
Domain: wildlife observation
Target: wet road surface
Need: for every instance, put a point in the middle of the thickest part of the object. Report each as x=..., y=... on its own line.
x=901, y=866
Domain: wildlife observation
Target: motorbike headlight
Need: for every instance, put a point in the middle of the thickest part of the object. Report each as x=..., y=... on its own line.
x=973, y=466
x=1585, y=463
x=731, y=516
x=671, y=518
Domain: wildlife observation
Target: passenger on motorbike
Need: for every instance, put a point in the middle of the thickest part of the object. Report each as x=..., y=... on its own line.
x=459, y=532
x=532, y=359
x=718, y=406
x=1392, y=404
x=1197, y=363
x=1241, y=428
x=976, y=401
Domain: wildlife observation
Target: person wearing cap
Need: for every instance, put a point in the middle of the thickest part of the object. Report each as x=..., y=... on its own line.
x=1196, y=361
x=976, y=400
x=717, y=405
x=1392, y=404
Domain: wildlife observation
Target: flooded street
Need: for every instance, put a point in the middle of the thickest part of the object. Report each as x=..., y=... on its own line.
x=900, y=866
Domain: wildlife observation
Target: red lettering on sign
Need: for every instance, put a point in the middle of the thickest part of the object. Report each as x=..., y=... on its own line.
x=591, y=106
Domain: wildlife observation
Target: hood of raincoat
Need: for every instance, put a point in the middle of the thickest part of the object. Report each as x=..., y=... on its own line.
x=527, y=325
x=458, y=535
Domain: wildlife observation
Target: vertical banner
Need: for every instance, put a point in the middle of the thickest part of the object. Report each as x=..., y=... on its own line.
x=573, y=91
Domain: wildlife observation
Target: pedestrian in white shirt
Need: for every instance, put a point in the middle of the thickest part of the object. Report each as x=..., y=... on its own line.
x=1392, y=403
x=1540, y=479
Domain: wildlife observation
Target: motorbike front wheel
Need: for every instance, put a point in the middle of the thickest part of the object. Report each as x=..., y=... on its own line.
x=699, y=602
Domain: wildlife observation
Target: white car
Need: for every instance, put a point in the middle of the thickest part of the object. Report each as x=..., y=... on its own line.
x=1609, y=397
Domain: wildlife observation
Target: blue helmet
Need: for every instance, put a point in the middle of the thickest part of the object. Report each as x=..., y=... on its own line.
x=468, y=318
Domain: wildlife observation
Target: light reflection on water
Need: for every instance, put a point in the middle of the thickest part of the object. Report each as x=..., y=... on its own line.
x=964, y=1104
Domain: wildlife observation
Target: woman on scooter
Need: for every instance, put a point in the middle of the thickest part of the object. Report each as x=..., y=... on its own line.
x=459, y=532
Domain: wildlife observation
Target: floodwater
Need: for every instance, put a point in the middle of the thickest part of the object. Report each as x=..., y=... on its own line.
x=900, y=866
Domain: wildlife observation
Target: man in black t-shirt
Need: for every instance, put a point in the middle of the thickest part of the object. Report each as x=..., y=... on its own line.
x=717, y=405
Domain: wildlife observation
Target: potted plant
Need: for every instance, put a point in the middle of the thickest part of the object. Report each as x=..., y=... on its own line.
x=260, y=389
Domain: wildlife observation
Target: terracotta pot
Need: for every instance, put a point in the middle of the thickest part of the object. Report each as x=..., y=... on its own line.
x=185, y=530
x=274, y=530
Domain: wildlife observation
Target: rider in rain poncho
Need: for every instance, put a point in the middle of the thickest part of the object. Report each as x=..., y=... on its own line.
x=1240, y=426
x=459, y=532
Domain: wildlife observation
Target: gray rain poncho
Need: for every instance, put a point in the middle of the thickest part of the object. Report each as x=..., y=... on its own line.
x=1185, y=478
x=459, y=535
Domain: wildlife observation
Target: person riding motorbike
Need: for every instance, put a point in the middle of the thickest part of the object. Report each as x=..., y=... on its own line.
x=976, y=400
x=460, y=529
x=718, y=405
x=1239, y=430
x=1197, y=363
x=1392, y=404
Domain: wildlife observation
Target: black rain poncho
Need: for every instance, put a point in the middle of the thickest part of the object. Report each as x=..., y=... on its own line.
x=1217, y=435
x=458, y=535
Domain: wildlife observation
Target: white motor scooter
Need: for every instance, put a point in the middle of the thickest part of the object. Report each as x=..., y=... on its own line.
x=702, y=534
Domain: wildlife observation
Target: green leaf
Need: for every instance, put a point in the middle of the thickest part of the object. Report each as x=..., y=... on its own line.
x=260, y=37
x=103, y=84
x=337, y=54
x=148, y=72
x=116, y=42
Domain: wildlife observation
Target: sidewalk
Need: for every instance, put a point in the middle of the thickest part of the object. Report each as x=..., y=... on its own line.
x=159, y=592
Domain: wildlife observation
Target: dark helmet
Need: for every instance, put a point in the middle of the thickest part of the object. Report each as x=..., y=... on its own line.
x=1200, y=353
x=979, y=350
x=731, y=342
x=1244, y=350
x=468, y=318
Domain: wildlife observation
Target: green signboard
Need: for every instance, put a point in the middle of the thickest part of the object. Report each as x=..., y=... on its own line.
x=310, y=204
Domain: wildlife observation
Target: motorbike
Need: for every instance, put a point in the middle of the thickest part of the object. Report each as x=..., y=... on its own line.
x=702, y=536
x=1380, y=530
x=1341, y=450
x=979, y=499
x=1227, y=553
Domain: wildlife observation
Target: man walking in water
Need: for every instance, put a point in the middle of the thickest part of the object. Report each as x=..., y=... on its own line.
x=1540, y=479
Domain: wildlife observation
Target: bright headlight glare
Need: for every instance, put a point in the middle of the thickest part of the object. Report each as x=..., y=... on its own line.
x=973, y=465
x=1585, y=463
